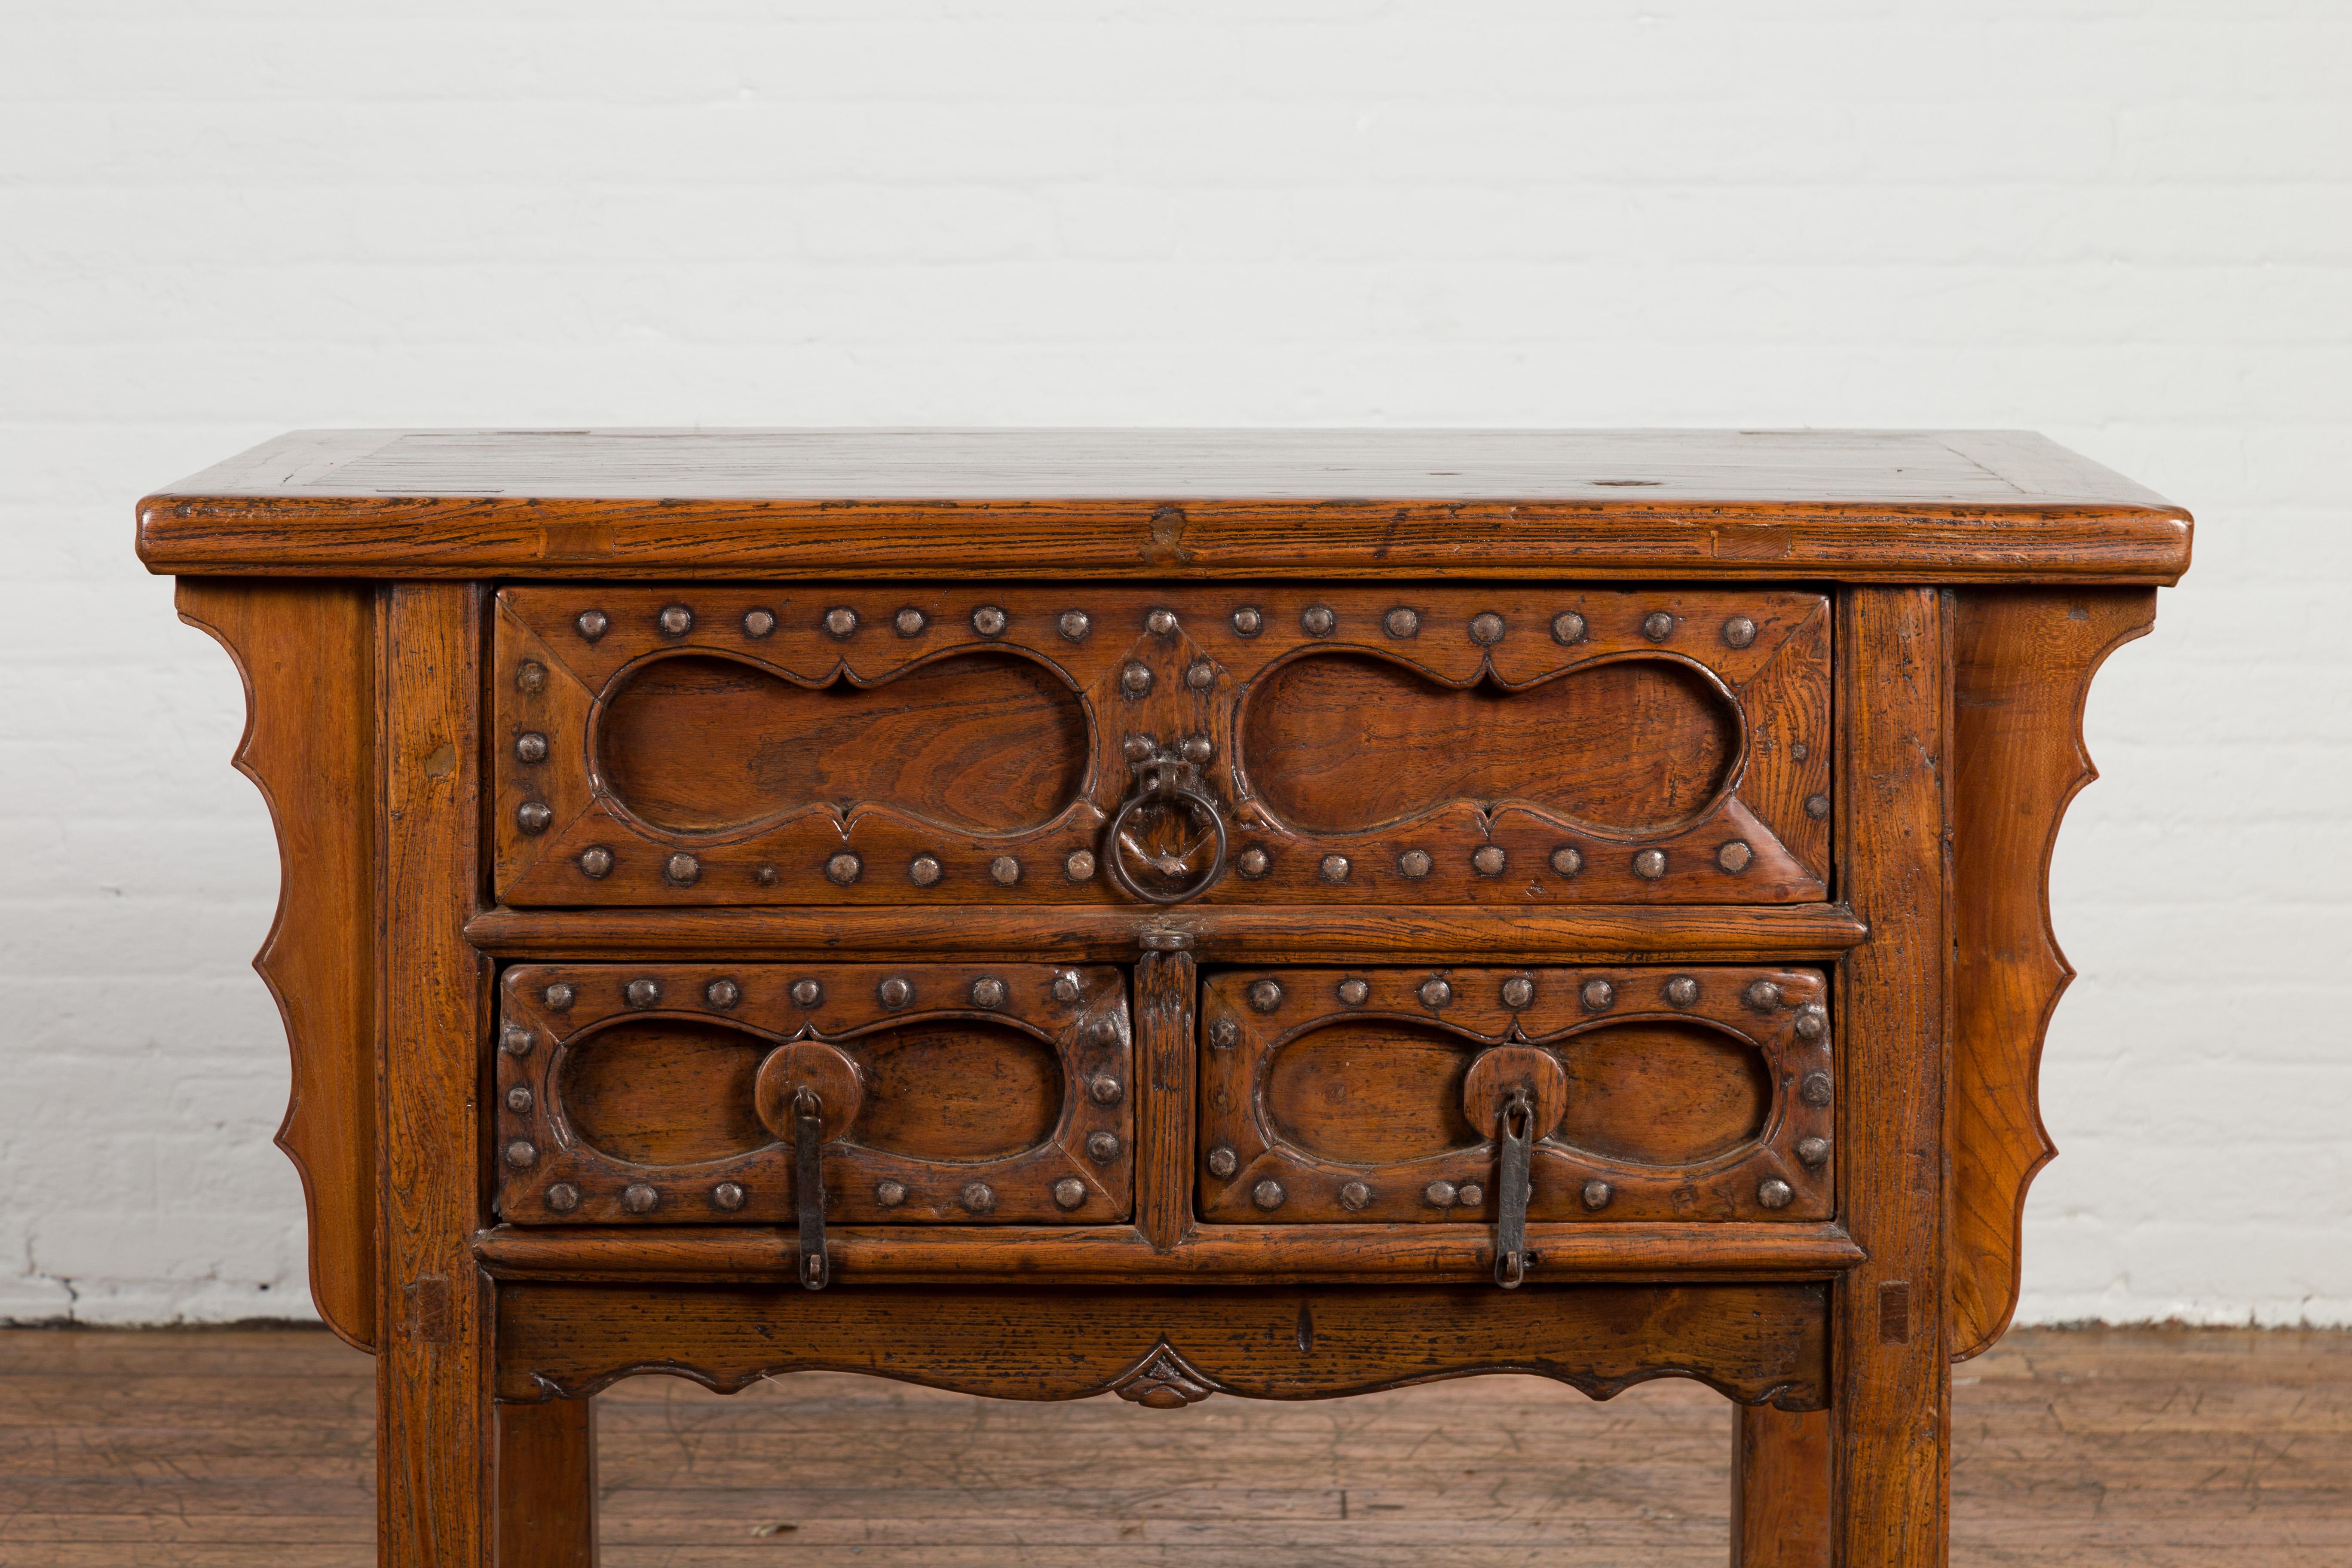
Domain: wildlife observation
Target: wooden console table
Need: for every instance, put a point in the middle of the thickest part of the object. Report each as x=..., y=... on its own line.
x=1165, y=913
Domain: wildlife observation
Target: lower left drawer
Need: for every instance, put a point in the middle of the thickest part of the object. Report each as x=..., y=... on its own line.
x=946, y=1094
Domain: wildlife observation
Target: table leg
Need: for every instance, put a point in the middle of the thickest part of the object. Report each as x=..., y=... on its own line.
x=1780, y=1487
x=547, y=1485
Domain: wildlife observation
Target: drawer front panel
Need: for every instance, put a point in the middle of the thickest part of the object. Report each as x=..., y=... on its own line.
x=950, y=1094
x=1332, y=1095
x=967, y=744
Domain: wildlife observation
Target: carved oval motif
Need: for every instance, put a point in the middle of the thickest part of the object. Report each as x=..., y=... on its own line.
x=1369, y=1091
x=1663, y=1093
x=658, y=1092
x=957, y=1089
x=1346, y=742
x=985, y=742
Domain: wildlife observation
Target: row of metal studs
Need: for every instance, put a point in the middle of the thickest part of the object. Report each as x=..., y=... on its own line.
x=1519, y=993
x=842, y=868
x=1772, y=1193
x=642, y=1197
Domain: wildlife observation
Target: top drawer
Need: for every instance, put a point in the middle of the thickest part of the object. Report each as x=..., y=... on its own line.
x=964, y=743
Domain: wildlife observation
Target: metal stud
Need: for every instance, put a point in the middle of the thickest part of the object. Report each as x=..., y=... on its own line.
x=1739, y=631
x=534, y=816
x=843, y=867
x=683, y=869
x=1224, y=1163
x=1196, y=747
x=1252, y=863
x=896, y=992
x=1567, y=628
x=889, y=1193
x=1774, y=1193
x=1065, y=986
x=1004, y=870
x=1488, y=860
x=1135, y=680
x=1434, y=992
x=1248, y=621
x=1682, y=991
x=1354, y=993
x=840, y=621
x=977, y=1198
x=1567, y=859
x=1815, y=1088
x=728, y=1196
x=643, y=992
x=558, y=997
x=563, y=1197
x=924, y=870
x=1074, y=624
x=987, y=992
x=1812, y=1023
x=596, y=862
x=1798, y=750
x=1597, y=1193
x=1518, y=992
x=1224, y=1035
x=909, y=622
x=1657, y=625
x=1200, y=675
x=591, y=624
x=1440, y=1195
x=1487, y=628
x=1400, y=622
x=1317, y=620
x=1102, y=1148
x=723, y=993
x=1649, y=864
x=1813, y=1151
x=1069, y=1192
x=674, y=620
x=1080, y=866
x=1816, y=806
x=639, y=1198
x=807, y=993
x=759, y=623
x=1355, y=1196
x=1415, y=864
x=1597, y=996
x=1268, y=1194
x=1139, y=748
x=765, y=874
x=530, y=676
x=1160, y=623
x=530, y=746
x=520, y=1100
x=1763, y=996
x=1470, y=1194
x=1266, y=996
x=1335, y=869
x=516, y=1040
x=1735, y=856
x=989, y=621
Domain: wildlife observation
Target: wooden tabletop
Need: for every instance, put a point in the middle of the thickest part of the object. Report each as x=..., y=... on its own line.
x=1933, y=506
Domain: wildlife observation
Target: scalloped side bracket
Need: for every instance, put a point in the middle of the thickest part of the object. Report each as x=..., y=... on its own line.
x=306, y=651
x=2023, y=663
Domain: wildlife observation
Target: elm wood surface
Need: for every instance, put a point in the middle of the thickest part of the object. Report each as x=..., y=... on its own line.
x=1354, y=1102
x=306, y=653
x=1782, y=1500
x=940, y=734
x=1754, y=1343
x=653, y=1080
x=2023, y=663
x=252, y=1448
x=1883, y=506
x=547, y=1484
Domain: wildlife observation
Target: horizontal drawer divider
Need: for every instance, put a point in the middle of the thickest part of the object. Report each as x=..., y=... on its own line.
x=1293, y=934
x=1121, y=1254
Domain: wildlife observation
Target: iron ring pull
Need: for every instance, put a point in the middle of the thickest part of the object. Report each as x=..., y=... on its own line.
x=816, y=1270
x=1511, y=1255
x=1172, y=782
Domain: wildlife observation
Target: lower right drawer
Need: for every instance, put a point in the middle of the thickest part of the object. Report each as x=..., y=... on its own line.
x=1339, y=1095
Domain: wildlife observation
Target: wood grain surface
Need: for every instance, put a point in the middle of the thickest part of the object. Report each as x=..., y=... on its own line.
x=306, y=652
x=2022, y=664
x=1857, y=505
x=252, y=1448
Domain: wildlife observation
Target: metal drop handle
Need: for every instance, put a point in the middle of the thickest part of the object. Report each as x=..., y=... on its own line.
x=1511, y=1255
x=1167, y=791
x=808, y=1139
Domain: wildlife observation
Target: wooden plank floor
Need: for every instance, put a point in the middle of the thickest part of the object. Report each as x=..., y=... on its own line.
x=2141, y=1448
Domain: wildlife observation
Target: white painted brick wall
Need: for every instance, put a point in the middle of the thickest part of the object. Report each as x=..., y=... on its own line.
x=2124, y=222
